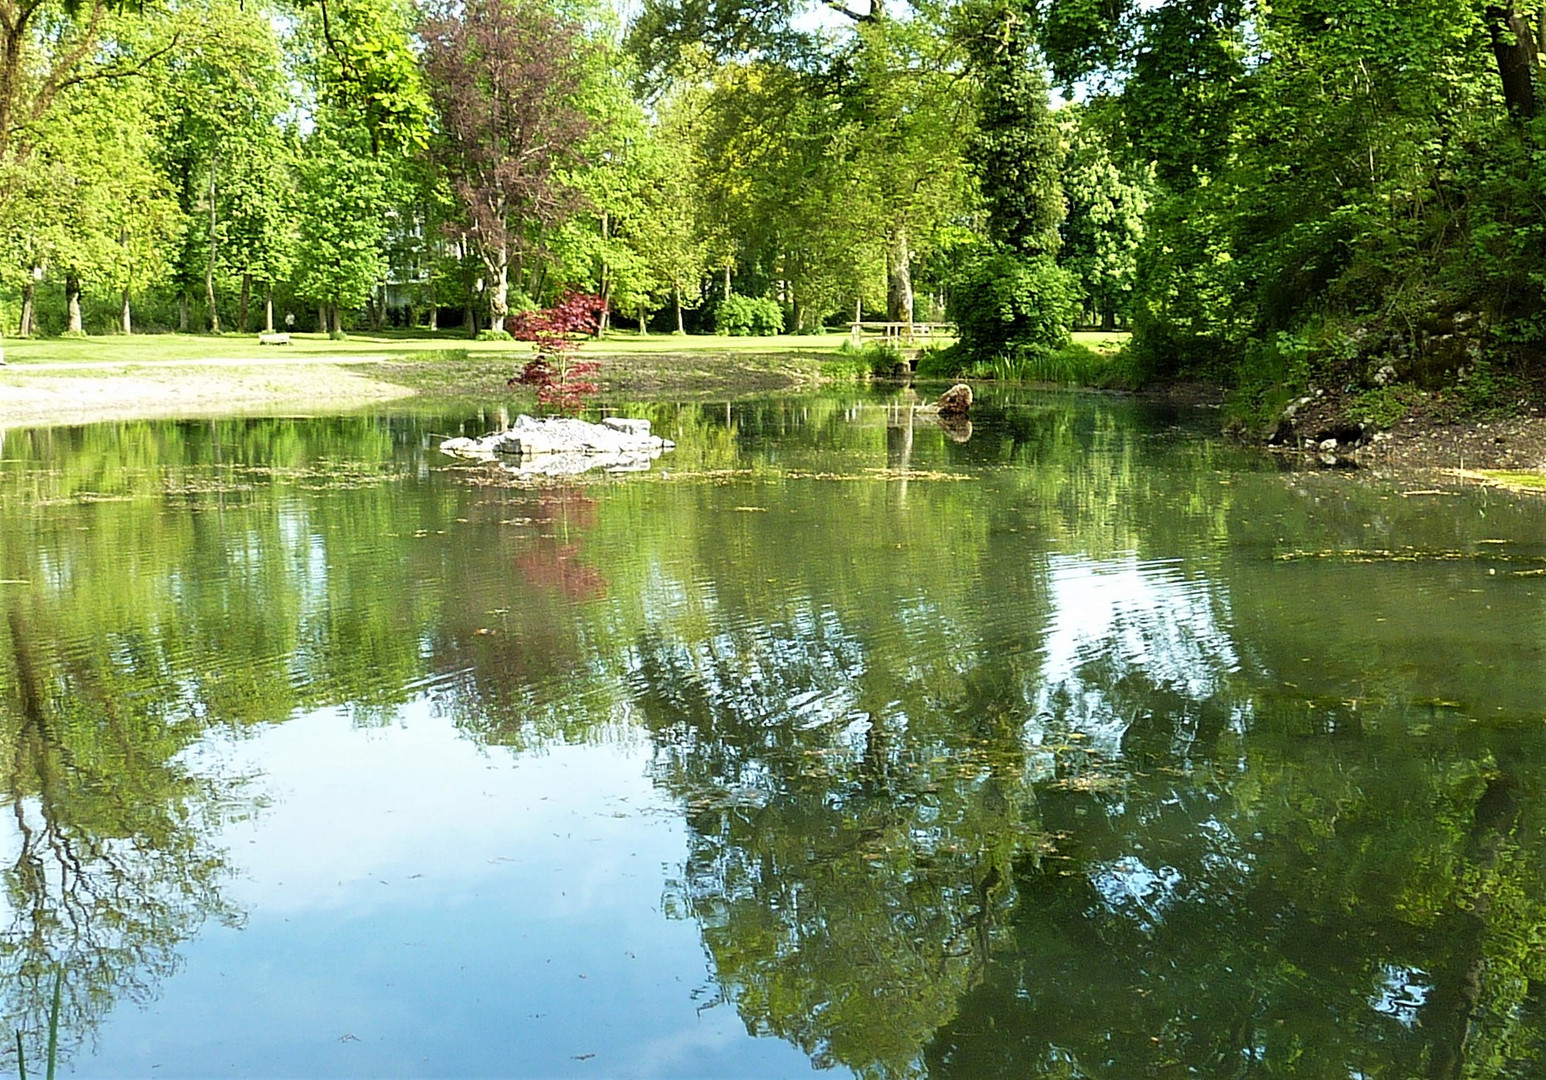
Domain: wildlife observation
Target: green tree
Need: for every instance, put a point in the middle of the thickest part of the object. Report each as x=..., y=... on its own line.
x=345, y=194
x=224, y=94
x=1105, y=222
x=1014, y=295
x=876, y=123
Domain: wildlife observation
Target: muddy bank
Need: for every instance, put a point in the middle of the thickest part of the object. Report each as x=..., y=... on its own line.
x=1433, y=433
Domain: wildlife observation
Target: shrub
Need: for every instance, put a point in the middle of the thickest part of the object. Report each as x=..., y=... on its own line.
x=941, y=363
x=1383, y=406
x=1487, y=393
x=846, y=364
x=1004, y=301
x=746, y=316
x=493, y=335
x=1072, y=365
x=873, y=358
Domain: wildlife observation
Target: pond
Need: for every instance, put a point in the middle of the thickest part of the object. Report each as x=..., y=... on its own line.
x=1086, y=746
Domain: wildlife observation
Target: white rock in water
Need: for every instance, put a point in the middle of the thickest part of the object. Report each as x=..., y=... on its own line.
x=566, y=446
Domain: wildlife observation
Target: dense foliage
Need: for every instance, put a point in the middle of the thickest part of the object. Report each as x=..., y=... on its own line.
x=1341, y=186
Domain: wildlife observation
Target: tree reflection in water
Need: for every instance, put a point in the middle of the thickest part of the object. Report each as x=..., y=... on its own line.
x=1119, y=861
x=108, y=865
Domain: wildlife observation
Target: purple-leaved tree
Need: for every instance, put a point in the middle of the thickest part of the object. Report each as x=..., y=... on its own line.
x=504, y=76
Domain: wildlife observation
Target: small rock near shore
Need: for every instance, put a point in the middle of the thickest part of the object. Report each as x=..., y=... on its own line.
x=957, y=401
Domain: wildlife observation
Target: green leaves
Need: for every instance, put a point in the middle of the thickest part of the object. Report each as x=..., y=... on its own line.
x=367, y=70
x=1006, y=300
x=342, y=221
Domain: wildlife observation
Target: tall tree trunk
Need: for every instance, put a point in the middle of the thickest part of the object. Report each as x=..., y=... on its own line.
x=1513, y=45
x=899, y=278
x=337, y=312
x=246, y=302
x=72, y=300
x=727, y=279
x=644, y=321
x=182, y=312
x=434, y=315
x=268, y=308
x=677, y=297
x=29, y=293
x=604, y=279
x=209, y=265
x=126, y=318
x=537, y=280
x=322, y=319
x=498, y=263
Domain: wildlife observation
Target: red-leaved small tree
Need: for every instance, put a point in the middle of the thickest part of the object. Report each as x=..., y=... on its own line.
x=561, y=378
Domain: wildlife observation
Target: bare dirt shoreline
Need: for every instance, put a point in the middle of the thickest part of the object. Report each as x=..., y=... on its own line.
x=52, y=395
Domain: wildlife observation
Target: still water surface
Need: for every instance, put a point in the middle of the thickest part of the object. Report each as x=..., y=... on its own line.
x=1086, y=747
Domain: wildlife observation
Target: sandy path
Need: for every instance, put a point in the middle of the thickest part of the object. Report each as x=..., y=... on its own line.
x=46, y=395
x=266, y=361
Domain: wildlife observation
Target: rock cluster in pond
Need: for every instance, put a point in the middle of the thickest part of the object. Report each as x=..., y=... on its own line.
x=563, y=446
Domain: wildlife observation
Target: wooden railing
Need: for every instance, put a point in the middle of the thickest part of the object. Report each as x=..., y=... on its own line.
x=899, y=333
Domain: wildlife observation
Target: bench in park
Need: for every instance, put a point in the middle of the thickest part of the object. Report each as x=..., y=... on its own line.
x=273, y=339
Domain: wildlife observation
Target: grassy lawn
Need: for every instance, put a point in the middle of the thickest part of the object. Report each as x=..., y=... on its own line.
x=623, y=343
x=1102, y=341
x=119, y=349
x=226, y=348
x=76, y=380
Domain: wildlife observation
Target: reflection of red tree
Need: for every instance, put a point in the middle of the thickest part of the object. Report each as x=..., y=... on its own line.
x=558, y=566
x=565, y=508
x=553, y=562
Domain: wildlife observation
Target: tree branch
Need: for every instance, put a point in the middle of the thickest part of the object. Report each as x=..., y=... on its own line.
x=848, y=13
x=118, y=73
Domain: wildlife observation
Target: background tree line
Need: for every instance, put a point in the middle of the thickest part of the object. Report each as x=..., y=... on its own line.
x=214, y=165
x=1256, y=189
